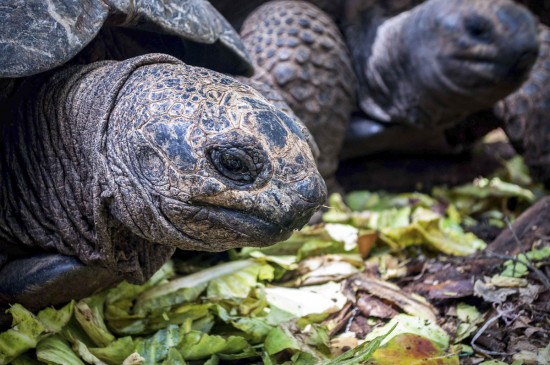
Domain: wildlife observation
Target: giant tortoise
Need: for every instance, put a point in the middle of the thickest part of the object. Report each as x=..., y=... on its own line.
x=419, y=68
x=107, y=167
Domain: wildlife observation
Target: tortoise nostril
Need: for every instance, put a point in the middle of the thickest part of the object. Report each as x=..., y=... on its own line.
x=312, y=190
x=479, y=28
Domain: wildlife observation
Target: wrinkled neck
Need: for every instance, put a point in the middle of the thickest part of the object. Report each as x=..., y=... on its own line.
x=360, y=30
x=46, y=168
x=55, y=179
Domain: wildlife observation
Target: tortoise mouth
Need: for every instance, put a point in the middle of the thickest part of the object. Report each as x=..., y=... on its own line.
x=493, y=68
x=218, y=228
x=485, y=68
x=491, y=76
x=245, y=227
x=261, y=230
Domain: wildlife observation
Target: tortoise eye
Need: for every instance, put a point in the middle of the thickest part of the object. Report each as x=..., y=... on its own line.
x=236, y=164
x=231, y=163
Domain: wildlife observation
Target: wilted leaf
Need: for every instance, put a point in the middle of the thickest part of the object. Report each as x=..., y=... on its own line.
x=155, y=348
x=483, y=195
x=255, y=328
x=116, y=352
x=239, y=283
x=360, y=354
x=530, y=293
x=490, y=293
x=495, y=187
x=366, y=241
x=281, y=339
x=467, y=313
x=89, y=313
x=55, y=350
x=197, y=345
x=508, y=282
x=439, y=234
x=24, y=334
x=84, y=353
x=174, y=358
x=238, y=311
x=191, y=282
x=326, y=268
x=55, y=319
x=370, y=306
x=414, y=325
x=411, y=349
x=27, y=329
x=469, y=318
x=300, y=302
x=133, y=359
x=517, y=171
x=411, y=303
x=343, y=233
x=407, y=220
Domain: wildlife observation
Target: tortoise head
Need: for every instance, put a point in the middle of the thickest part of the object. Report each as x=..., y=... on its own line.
x=486, y=48
x=207, y=163
x=445, y=59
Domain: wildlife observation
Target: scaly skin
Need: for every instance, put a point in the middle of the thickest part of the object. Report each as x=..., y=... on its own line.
x=432, y=72
x=441, y=61
x=119, y=163
x=298, y=50
x=38, y=35
x=522, y=114
x=425, y=69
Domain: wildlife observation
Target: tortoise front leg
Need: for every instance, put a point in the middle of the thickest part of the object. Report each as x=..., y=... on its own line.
x=49, y=279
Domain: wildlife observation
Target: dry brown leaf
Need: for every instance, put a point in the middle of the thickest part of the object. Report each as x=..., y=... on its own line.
x=410, y=303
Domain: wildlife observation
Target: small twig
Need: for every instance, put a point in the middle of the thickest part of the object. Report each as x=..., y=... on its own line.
x=500, y=313
x=344, y=320
x=421, y=273
x=352, y=317
x=509, y=225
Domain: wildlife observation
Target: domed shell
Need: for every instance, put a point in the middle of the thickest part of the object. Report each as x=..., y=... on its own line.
x=38, y=35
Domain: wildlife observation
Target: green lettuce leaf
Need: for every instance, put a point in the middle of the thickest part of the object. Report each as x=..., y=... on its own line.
x=116, y=352
x=238, y=284
x=196, y=345
x=155, y=348
x=56, y=350
x=89, y=313
x=174, y=358
x=27, y=329
x=403, y=323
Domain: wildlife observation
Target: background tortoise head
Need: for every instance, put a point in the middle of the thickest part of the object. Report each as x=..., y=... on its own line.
x=481, y=44
x=459, y=54
x=212, y=160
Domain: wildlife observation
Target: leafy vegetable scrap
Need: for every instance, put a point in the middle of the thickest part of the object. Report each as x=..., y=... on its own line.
x=333, y=294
